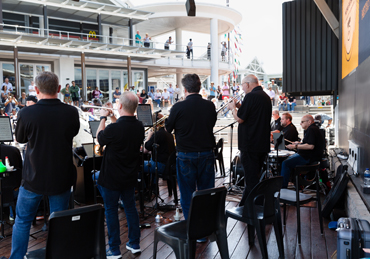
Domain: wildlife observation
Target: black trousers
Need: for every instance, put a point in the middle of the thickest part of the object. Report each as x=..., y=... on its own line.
x=252, y=164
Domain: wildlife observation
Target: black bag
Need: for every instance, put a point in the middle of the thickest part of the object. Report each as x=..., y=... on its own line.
x=353, y=236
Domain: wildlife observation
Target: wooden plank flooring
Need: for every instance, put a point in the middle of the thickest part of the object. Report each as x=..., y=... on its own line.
x=314, y=245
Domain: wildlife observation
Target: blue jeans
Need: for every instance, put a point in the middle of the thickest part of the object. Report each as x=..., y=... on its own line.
x=282, y=107
x=151, y=169
x=307, y=100
x=289, y=165
x=110, y=198
x=195, y=170
x=158, y=101
x=291, y=107
x=26, y=209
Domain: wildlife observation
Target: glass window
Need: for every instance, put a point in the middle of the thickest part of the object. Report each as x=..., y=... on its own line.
x=125, y=80
x=116, y=81
x=78, y=77
x=138, y=80
x=42, y=68
x=26, y=72
x=91, y=82
x=104, y=84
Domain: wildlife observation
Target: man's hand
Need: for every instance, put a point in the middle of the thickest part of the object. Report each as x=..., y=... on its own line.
x=104, y=112
x=291, y=146
x=231, y=106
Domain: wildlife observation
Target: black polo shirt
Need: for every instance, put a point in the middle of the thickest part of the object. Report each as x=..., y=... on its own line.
x=254, y=132
x=49, y=127
x=290, y=132
x=276, y=125
x=193, y=120
x=313, y=136
x=165, y=143
x=121, y=158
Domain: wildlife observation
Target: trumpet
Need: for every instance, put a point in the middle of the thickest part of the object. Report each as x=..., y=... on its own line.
x=98, y=107
x=158, y=122
x=224, y=108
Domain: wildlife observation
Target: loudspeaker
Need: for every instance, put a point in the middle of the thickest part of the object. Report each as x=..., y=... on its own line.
x=190, y=7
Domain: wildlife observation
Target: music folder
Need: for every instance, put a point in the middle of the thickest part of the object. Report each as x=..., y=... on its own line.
x=6, y=134
x=144, y=114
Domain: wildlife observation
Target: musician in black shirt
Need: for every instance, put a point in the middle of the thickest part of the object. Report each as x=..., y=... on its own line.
x=276, y=123
x=311, y=149
x=254, y=116
x=193, y=120
x=289, y=130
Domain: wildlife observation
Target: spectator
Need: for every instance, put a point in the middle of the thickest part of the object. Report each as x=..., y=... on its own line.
x=291, y=103
x=31, y=89
x=67, y=95
x=219, y=93
x=177, y=93
x=9, y=85
x=223, y=51
x=225, y=109
x=190, y=49
x=4, y=93
x=144, y=95
x=74, y=89
x=167, y=43
x=151, y=94
x=96, y=93
x=10, y=103
x=166, y=97
x=116, y=94
x=22, y=101
x=171, y=91
x=271, y=94
x=147, y=40
x=137, y=38
x=157, y=97
x=212, y=91
x=282, y=102
x=2, y=112
x=204, y=94
x=225, y=90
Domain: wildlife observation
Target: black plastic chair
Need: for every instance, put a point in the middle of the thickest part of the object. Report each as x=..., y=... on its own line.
x=170, y=176
x=304, y=175
x=74, y=234
x=262, y=207
x=219, y=156
x=206, y=218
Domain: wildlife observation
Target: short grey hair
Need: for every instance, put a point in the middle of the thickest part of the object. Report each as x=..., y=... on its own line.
x=47, y=82
x=129, y=101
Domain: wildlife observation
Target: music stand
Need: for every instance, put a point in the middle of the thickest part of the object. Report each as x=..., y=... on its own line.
x=94, y=125
x=279, y=141
x=6, y=135
x=144, y=114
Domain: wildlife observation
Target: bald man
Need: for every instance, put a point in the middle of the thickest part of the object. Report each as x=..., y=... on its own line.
x=253, y=116
x=309, y=150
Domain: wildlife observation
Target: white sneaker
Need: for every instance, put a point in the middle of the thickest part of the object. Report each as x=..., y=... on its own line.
x=132, y=249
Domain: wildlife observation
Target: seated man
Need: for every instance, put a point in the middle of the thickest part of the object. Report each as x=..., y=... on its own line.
x=157, y=97
x=311, y=149
x=165, y=147
x=276, y=123
x=289, y=130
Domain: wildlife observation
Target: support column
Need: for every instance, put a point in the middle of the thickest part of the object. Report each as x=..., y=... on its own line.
x=16, y=71
x=131, y=32
x=179, y=40
x=1, y=14
x=129, y=74
x=178, y=82
x=100, y=29
x=45, y=18
x=83, y=77
x=214, y=51
x=41, y=26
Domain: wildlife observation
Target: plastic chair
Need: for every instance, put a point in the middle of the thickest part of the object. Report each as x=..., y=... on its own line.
x=305, y=175
x=219, y=156
x=170, y=175
x=74, y=234
x=206, y=218
x=262, y=207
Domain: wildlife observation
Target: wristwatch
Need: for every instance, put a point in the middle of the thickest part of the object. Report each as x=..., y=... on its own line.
x=103, y=117
x=296, y=146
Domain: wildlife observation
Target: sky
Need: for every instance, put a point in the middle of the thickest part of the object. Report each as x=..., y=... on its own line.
x=261, y=29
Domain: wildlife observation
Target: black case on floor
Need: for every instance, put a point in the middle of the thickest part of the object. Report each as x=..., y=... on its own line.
x=353, y=236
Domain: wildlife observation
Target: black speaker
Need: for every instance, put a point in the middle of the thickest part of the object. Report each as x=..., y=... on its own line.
x=190, y=7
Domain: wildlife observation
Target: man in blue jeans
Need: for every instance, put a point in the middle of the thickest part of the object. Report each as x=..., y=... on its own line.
x=311, y=149
x=48, y=163
x=193, y=120
x=119, y=171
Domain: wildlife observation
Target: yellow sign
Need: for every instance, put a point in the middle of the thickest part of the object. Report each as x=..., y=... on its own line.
x=350, y=32
x=92, y=34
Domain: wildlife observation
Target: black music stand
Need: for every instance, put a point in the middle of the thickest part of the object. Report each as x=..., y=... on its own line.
x=6, y=135
x=144, y=114
x=94, y=125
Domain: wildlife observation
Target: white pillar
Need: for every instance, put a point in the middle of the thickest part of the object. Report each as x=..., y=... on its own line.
x=214, y=51
x=41, y=25
x=179, y=39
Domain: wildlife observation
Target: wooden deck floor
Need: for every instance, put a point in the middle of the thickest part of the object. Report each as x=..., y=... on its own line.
x=314, y=245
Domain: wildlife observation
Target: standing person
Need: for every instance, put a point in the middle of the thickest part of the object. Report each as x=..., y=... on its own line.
x=209, y=51
x=137, y=38
x=223, y=51
x=193, y=120
x=48, y=163
x=167, y=43
x=171, y=91
x=9, y=85
x=116, y=94
x=119, y=171
x=271, y=94
x=22, y=101
x=74, y=89
x=225, y=90
x=96, y=93
x=253, y=116
x=178, y=93
x=212, y=91
x=31, y=89
x=219, y=93
x=147, y=40
x=67, y=94
x=190, y=49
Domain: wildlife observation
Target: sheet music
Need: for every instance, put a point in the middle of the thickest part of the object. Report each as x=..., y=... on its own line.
x=6, y=133
x=144, y=114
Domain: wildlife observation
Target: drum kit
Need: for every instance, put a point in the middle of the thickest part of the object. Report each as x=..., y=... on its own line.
x=272, y=166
